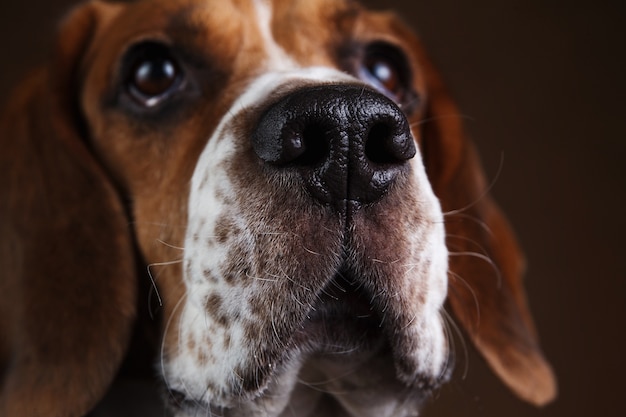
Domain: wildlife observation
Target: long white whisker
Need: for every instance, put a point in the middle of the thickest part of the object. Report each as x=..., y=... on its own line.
x=471, y=290
x=467, y=239
x=442, y=117
x=165, y=331
x=450, y=323
x=170, y=245
x=484, y=193
x=153, y=280
x=475, y=219
x=484, y=258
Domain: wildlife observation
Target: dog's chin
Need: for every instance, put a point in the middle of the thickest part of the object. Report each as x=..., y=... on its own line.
x=342, y=358
x=343, y=321
x=348, y=383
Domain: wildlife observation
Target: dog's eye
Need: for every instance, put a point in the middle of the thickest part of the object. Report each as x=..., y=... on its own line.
x=153, y=74
x=154, y=77
x=386, y=68
x=383, y=73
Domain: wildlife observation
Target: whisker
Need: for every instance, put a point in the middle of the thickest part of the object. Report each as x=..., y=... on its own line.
x=484, y=258
x=319, y=385
x=153, y=281
x=409, y=266
x=291, y=279
x=279, y=342
x=273, y=279
x=451, y=325
x=170, y=245
x=300, y=303
x=410, y=321
x=471, y=290
x=474, y=219
x=161, y=224
x=484, y=193
x=311, y=251
x=480, y=247
x=165, y=331
x=442, y=117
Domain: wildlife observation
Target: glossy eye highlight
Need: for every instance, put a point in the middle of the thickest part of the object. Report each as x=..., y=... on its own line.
x=385, y=67
x=383, y=73
x=153, y=74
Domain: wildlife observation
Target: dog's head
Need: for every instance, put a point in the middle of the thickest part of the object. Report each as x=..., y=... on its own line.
x=297, y=179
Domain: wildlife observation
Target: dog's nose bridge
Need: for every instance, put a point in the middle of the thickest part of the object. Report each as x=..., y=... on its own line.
x=348, y=142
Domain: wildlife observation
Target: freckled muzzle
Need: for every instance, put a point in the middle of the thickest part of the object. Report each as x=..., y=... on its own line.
x=349, y=143
x=334, y=261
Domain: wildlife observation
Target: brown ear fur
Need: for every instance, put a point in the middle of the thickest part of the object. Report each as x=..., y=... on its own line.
x=486, y=265
x=66, y=254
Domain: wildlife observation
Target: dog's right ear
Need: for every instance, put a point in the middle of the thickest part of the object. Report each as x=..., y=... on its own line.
x=66, y=252
x=486, y=291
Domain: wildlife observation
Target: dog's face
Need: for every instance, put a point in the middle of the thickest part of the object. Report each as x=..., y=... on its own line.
x=282, y=168
x=272, y=149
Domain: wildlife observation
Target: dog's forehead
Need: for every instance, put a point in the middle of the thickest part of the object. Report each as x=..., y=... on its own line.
x=312, y=19
x=226, y=27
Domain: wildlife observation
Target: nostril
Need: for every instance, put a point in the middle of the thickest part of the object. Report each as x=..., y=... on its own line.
x=387, y=144
x=376, y=144
x=276, y=143
x=285, y=139
x=316, y=143
x=293, y=146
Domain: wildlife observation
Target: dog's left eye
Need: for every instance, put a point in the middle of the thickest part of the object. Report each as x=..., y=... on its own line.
x=383, y=73
x=385, y=67
x=153, y=74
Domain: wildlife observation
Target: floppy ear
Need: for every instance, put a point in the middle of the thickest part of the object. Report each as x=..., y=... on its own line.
x=66, y=253
x=486, y=265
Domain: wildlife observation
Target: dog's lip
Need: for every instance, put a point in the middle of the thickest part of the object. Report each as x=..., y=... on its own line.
x=342, y=319
x=343, y=295
x=345, y=325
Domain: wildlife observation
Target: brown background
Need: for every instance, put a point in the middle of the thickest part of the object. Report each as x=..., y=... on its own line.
x=543, y=84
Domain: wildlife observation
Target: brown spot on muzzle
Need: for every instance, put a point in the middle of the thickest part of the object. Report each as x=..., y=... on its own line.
x=214, y=307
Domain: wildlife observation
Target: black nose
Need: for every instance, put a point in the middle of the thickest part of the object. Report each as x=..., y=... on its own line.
x=349, y=143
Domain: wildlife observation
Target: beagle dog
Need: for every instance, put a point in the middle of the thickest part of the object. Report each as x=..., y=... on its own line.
x=290, y=184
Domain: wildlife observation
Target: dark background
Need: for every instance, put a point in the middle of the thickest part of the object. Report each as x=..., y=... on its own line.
x=541, y=83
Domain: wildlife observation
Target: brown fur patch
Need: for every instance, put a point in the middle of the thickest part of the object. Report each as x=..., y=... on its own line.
x=214, y=306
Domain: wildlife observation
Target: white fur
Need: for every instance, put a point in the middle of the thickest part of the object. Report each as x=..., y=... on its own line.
x=433, y=354
x=277, y=56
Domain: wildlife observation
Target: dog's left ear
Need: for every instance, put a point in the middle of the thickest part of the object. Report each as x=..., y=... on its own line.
x=486, y=265
x=67, y=277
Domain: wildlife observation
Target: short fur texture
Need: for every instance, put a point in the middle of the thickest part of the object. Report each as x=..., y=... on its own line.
x=274, y=301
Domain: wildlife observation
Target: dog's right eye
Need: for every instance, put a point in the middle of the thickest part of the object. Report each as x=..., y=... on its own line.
x=153, y=74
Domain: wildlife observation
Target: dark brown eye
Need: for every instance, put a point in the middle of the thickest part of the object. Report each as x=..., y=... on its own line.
x=154, y=74
x=153, y=78
x=383, y=73
x=385, y=67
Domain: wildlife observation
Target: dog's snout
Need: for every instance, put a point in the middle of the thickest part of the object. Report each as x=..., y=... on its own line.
x=349, y=143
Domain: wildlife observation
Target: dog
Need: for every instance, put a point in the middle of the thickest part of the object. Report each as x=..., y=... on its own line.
x=291, y=184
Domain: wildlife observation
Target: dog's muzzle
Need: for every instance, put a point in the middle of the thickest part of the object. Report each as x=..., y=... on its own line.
x=315, y=245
